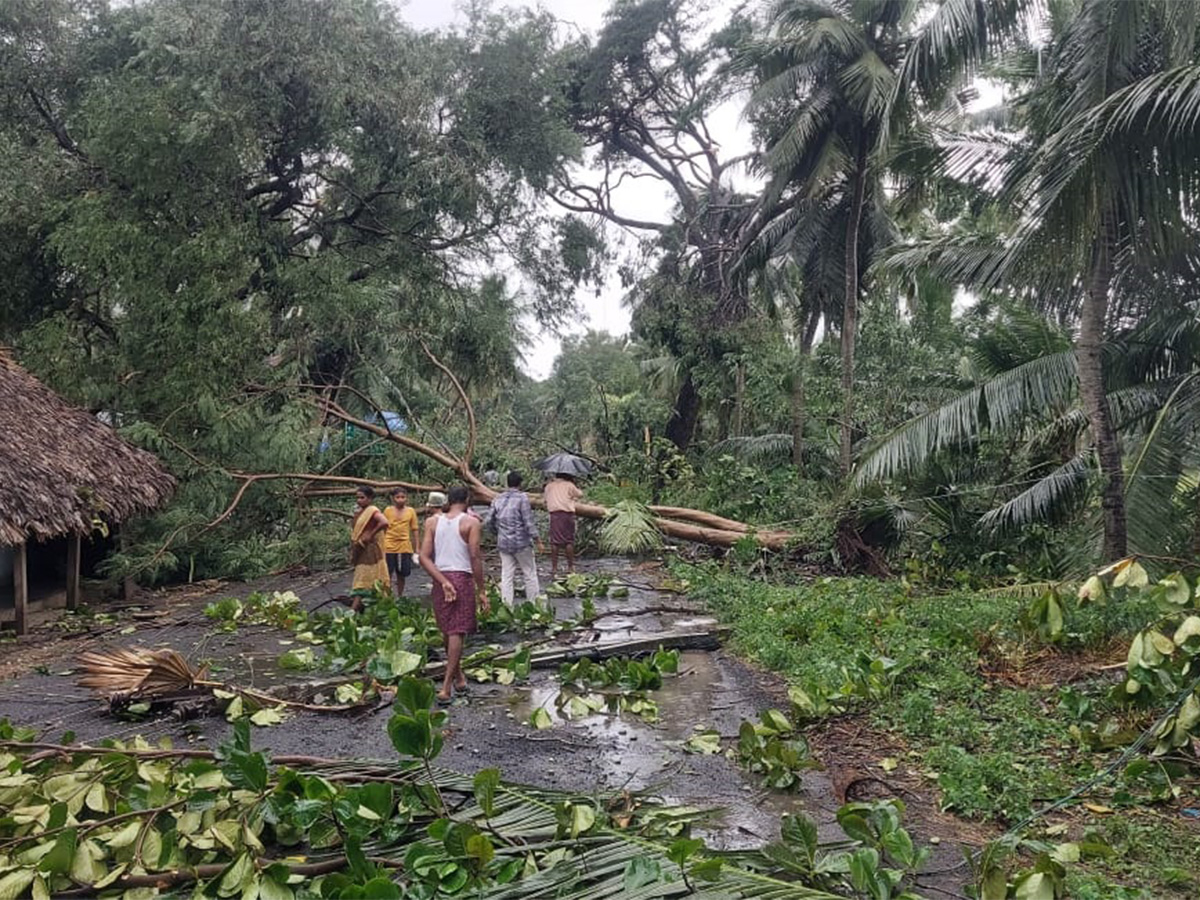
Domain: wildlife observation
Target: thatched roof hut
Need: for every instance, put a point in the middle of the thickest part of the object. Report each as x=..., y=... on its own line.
x=61, y=468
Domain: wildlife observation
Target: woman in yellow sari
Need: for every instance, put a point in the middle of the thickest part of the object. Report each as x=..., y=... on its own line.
x=366, y=542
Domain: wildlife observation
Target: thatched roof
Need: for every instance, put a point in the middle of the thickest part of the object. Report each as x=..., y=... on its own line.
x=61, y=467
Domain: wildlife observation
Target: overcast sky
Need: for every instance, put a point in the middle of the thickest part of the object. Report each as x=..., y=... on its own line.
x=603, y=311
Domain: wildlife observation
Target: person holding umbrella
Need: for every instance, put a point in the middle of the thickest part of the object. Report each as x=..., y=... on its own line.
x=561, y=494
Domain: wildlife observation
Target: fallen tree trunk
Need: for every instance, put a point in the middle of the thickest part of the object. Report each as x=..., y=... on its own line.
x=553, y=657
x=709, y=639
x=679, y=523
x=699, y=517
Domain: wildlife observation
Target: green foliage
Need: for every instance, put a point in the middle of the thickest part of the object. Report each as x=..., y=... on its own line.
x=280, y=609
x=629, y=529
x=774, y=749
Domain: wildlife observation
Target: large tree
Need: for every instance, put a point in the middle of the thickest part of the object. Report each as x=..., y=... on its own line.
x=1098, y=196
x=845, y=92
x=642, y=97
x=228, y=209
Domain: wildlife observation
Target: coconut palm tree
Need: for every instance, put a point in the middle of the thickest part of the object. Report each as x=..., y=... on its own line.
x=843, y=84
x=1101, y=189
x=1026, y=392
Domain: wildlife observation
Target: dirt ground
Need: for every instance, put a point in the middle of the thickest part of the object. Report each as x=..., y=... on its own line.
x=489, y=726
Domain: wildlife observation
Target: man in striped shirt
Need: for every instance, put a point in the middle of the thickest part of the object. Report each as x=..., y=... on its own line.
x=511, y=520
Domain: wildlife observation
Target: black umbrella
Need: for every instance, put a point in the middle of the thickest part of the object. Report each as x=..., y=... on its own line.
x=565, y=464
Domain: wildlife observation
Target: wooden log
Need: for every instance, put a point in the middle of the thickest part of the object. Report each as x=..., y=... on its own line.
x=20, y=589
x=699, y=517
x=710, y=639
x=552, y=657
x=73, y=554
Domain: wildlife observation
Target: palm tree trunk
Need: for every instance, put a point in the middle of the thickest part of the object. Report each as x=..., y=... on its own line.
x=850, y=312
x=799, y=409
x=739, y=399
x=798, y=416
x=682, y=425
x=1089, y=354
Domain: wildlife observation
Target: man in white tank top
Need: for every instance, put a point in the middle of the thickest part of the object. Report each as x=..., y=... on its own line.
x=450, y=554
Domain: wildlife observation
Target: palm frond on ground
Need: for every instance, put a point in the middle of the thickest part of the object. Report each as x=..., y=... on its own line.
x=595, y=865
x=140, y=672
x=629, y=528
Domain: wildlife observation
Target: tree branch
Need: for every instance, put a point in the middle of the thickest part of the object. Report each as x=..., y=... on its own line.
x=471, y=427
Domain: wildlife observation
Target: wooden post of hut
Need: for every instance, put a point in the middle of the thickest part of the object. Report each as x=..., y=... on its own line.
x=20, y=589
x=73, y=554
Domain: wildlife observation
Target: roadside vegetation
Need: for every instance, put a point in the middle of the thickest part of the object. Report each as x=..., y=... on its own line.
x=910, y=393
x=964, y=694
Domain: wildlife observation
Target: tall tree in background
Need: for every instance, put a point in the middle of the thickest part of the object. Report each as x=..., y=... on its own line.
x=222, y=204
x=641, y=98
x=1103, y=191
x=849, y=83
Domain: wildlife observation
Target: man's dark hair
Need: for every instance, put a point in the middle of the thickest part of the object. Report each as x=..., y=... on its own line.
x=457, y=494
x=515, y=479
x=367, y=491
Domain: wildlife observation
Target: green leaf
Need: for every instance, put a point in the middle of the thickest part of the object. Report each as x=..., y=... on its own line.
x=1092, y=589
x=112, y=876
x=58, y=860
x=703, y=742
x=235, y=710
x=270, y=889
x=1055, y=620
x=246, y=770
x=411, y=736
x=1176, y=589
x=84, y=867
x=298, y=658
x=1189, y=628
x=1035, y=886
x=540, y=719
x=777, y=721
x=13, y=885
x=583, y=817
x=1132, y=575
x=267, y=717
x=414, y=695
x=684, y=849
x=485, y=783
x=237, y=876
x=1162, y=643
x=641, y=871
x=479, y=847
x=404, y=662
x=708, y=870
x=97, y=798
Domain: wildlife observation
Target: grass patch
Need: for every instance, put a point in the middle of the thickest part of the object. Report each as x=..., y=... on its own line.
x=922, y=668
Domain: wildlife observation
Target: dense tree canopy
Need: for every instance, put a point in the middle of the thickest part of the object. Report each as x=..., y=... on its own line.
x=926, y=320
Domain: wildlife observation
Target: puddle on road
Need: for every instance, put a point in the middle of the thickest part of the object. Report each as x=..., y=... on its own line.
x=630, y=753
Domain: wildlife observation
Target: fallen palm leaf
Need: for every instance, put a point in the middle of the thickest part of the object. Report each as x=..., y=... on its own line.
x=125, y=674
x=141, y=672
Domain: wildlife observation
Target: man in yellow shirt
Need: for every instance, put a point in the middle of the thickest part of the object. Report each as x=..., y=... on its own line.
x=400, y=540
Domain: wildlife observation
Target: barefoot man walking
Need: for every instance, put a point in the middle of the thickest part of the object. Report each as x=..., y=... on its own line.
x=450, y=554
